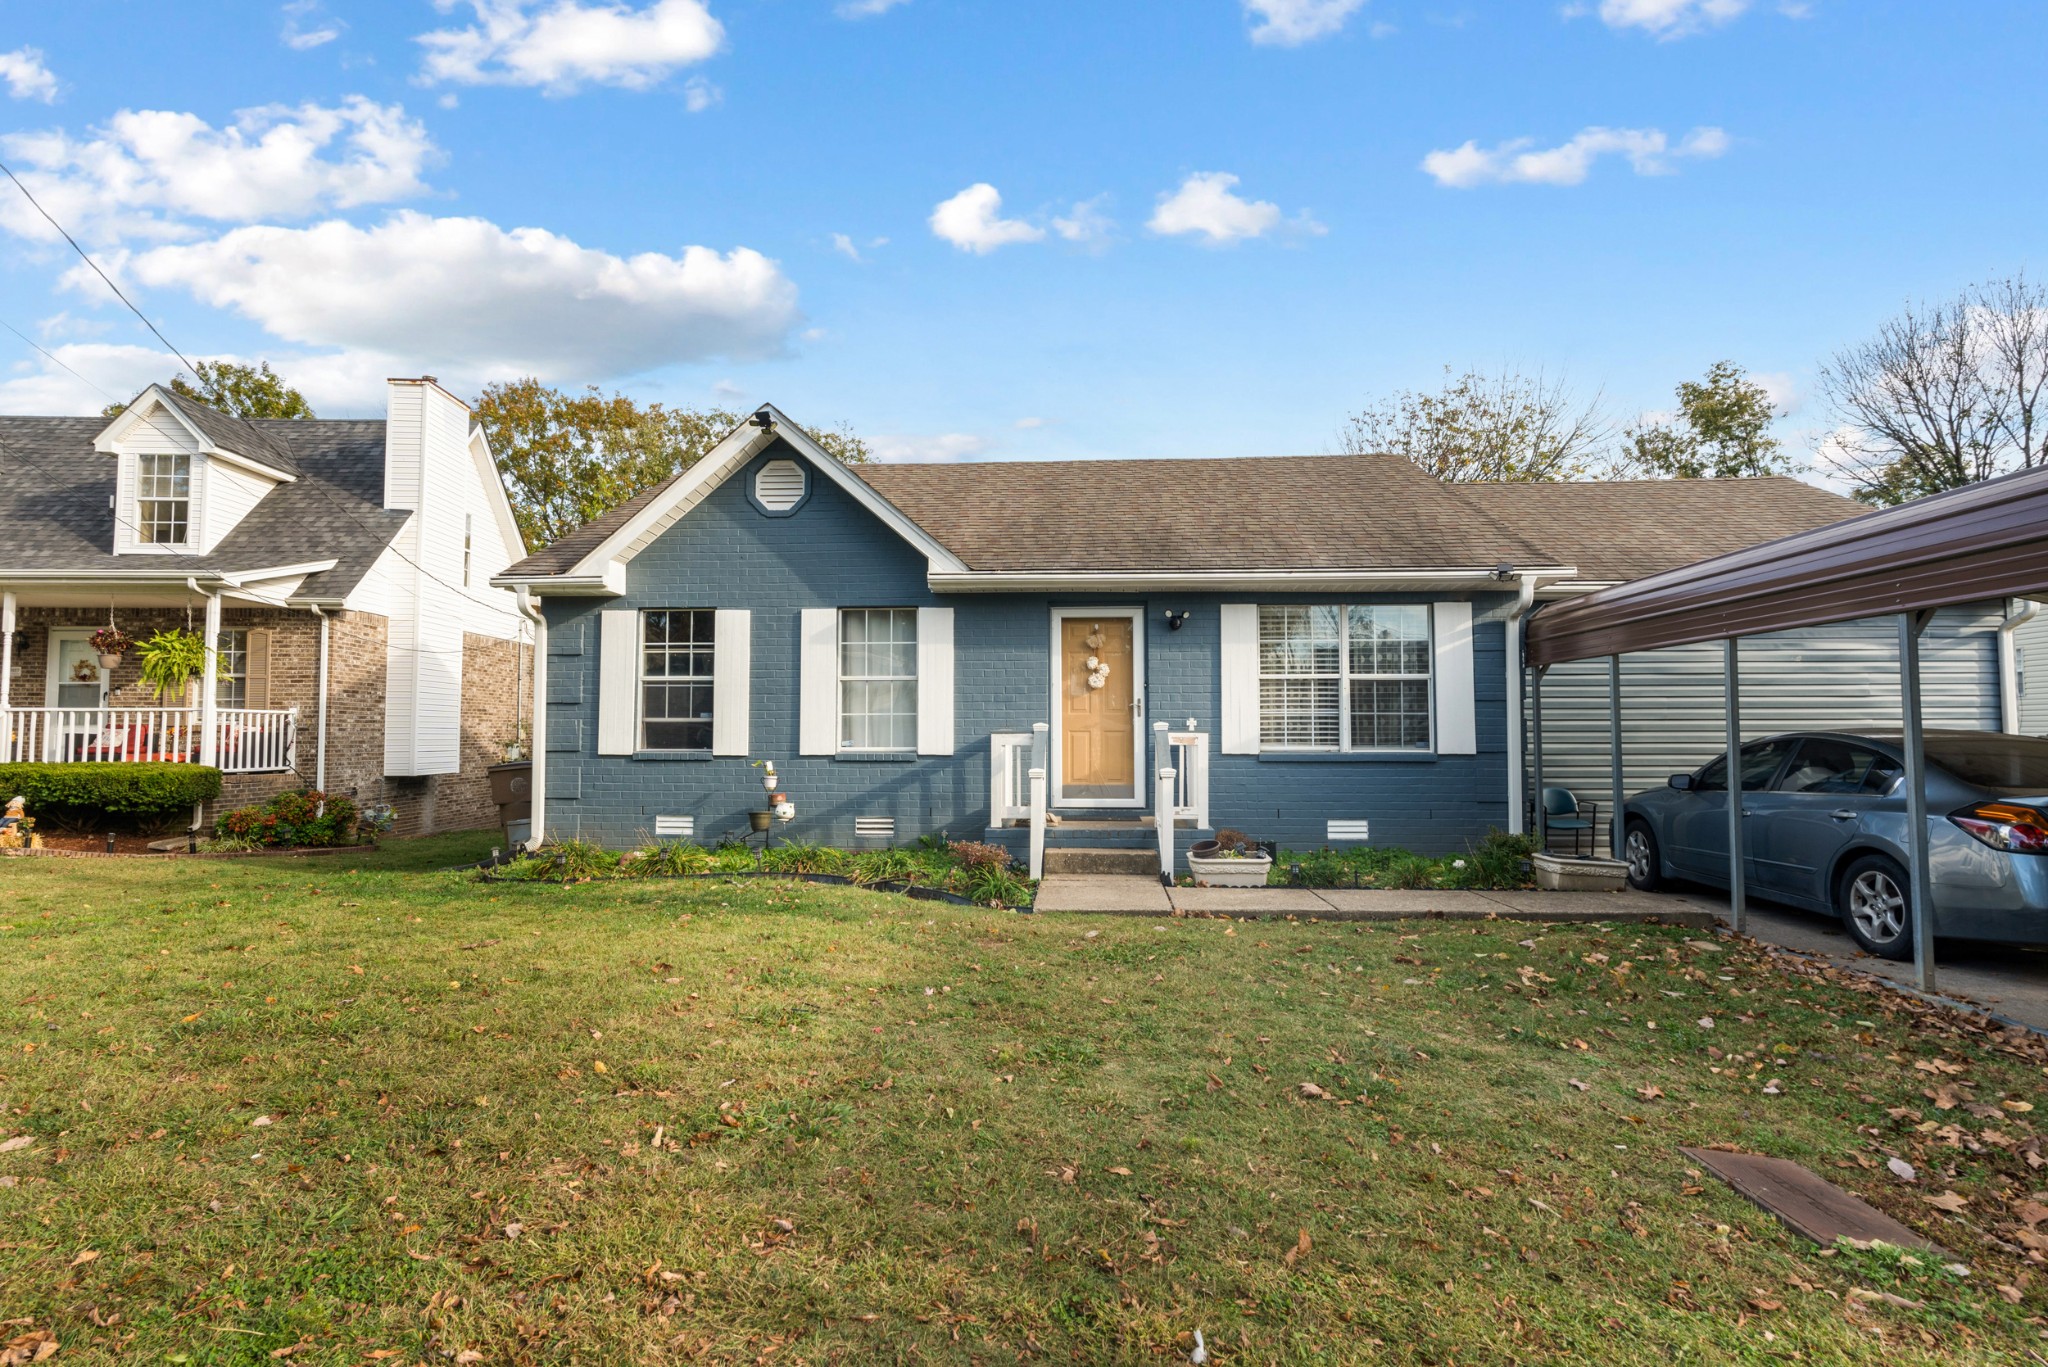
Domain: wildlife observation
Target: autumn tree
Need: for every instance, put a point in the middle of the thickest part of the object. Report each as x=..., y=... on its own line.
x=567, y=457
x=240, y=391
x=1944, y=395
x=1722, y=430
x=1475, y=427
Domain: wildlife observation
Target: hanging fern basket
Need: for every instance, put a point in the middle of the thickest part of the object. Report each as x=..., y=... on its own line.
x=171, y=660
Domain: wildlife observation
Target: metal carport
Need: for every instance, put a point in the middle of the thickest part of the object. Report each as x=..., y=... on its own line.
x=1988, y=540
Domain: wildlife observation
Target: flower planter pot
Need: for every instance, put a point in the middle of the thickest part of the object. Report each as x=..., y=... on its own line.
x=758, y=821
x=1561, y=873
x=109, y=661
x=1230, y=873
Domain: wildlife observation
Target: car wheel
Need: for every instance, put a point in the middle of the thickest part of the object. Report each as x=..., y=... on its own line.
x=1875, y=908
x=1645, y=865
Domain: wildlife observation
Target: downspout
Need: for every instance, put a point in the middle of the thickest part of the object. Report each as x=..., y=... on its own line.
x=7, y=614
x=538, y=736
x=1517, y=777
x=320, y=704
x=2008, y=666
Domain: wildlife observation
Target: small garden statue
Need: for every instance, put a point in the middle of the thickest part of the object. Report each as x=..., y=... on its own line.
x=17, y=827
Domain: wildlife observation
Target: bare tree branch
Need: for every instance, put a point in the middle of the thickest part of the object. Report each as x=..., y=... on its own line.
x=1486, y=428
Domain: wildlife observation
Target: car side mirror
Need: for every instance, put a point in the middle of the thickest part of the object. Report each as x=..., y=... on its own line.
x=1682, y=782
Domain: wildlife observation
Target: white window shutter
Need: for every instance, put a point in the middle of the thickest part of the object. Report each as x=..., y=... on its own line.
x=618, y=682
x=818, y=683
x=732, y=670
x=1457, y=728
x=1239, y=652
x=935, y=681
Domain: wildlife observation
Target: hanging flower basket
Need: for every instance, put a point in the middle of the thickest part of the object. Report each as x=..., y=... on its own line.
x=110, y=643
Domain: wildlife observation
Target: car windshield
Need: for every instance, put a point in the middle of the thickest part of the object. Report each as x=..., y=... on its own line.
x=2015, y=765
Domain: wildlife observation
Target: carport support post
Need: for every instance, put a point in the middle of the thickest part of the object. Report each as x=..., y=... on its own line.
x=1738, y=894
x=1918, y=868
x=1536, y=756
x=1614, y=843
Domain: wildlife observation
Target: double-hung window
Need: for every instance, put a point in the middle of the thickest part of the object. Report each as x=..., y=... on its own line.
x=675, y=678
x=231, y=669
x=878, y=679
x=1344, y=678
x=163, y=498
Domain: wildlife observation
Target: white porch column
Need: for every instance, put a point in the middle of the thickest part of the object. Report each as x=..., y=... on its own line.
x=537, y=735
x=209, y=689
x=7, y=610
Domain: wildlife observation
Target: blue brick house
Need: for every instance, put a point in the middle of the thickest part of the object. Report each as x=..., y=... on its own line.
x=1321, y=649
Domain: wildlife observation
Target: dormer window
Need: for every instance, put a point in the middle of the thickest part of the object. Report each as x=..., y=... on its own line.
x=163, y=498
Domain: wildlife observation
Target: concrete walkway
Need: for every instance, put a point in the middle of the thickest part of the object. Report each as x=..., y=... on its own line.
x=1147, y=897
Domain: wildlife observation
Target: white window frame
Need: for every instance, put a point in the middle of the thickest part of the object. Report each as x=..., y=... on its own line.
x=146, y=473
x=842, y=679
x=706, y=681
x=231, y=668
x=1345, y=678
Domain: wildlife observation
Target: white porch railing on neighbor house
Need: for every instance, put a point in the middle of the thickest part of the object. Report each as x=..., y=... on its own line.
x=1041, y=749
x=1009, y=777
x=250, y=740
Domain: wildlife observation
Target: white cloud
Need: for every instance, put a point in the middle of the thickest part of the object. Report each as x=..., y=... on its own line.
x=946, y=446
x=1086, y=224
x=145, y=172
x=111, y=373
x=1029, y=424
x=564, y=45
x=843, y=244
x=26, y=76
x=1205, y=205
x=1520, y=162
x=866, y=9
x=972, y=221
x=464, y=294
x=306, y=27
x=1288, y=23
x=1663, y=18
x=700, y=94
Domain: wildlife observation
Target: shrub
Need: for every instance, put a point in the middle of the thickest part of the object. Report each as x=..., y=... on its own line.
x=669, y=860
x=797, y=857
x=995, y=886
x=883, y=866
x=101, y=789
x=299, y=819
x=973, y=854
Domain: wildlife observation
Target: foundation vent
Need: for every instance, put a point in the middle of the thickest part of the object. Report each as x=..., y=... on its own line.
x=1360, y=829
x=681, y=827
x=874, y=827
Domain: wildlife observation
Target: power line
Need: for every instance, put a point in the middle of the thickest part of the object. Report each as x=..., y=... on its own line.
x=244, y=420
x=56, y=360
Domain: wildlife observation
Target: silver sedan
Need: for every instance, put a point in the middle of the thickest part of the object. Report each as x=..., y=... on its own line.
x=1824, y=824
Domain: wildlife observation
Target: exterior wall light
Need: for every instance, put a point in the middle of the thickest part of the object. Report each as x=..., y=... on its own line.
x=1175, y=620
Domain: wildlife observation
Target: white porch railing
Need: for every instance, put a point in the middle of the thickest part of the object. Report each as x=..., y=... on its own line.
x=1009, y=777
x=1188, y=756
x=250, y=740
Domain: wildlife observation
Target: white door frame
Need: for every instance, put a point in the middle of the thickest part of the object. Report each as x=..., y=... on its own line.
x=1139, y=788
x=53, y=649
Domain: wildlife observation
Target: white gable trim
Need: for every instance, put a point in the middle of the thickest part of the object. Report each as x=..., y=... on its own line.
x=108, y=442
x=723, y=461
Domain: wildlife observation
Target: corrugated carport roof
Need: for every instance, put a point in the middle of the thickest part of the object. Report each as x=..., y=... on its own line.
x=1989, y=540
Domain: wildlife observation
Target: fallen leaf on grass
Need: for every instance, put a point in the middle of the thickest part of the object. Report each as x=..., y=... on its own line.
x=2021, y=1106
x=1902, y=1170
x=291, y=1348
x=1118, y=1172
x=1947, y=1201
x=85, y=1256
x=1300, y=1249
x=1898, y=1302
x=20, y=1141
x=2030, y=1213
x=37, y=1345
x=1310, y=1092
x=2011, y=1294
x=1574, y=1083
x=1650, y=1093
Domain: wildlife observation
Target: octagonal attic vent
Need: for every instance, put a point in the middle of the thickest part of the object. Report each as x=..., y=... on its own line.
x=779, y=486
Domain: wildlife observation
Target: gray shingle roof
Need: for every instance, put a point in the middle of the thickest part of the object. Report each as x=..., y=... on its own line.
x=1624, y=529
x=55, y=494
x=243, y=437
x=1300, y=512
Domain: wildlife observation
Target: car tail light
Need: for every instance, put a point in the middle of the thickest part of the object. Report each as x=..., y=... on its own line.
x=2006, y=826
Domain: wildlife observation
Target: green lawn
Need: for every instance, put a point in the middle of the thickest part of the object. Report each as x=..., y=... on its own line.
x=319, y=1110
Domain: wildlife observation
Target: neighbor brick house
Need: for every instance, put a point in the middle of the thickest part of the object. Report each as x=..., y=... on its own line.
x=340, y=569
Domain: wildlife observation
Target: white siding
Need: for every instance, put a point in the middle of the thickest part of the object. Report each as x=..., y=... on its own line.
x=225, y=495
x=2031, y=644
x=426, y=459
x=1842, y=677
x=157, y=432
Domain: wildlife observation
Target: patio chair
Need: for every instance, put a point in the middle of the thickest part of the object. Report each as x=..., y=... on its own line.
x=1564, y=812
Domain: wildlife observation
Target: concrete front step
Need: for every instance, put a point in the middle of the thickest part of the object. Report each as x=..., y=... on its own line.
x=1068, y=859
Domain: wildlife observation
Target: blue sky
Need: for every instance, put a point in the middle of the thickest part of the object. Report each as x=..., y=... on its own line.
x=741, y=200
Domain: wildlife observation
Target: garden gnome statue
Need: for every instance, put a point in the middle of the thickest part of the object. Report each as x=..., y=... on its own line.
x=13, y=827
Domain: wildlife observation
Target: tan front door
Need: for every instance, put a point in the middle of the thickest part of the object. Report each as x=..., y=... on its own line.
x=1098, y=725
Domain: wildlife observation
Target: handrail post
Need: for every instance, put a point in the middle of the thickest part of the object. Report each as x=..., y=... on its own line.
x=1162, y=803
x=1738, y=858
x=1919, y=870
x=1037, y=864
